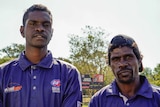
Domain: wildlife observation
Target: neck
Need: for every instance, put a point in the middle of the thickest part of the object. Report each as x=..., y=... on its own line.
x=129, y=90
x=35, y=55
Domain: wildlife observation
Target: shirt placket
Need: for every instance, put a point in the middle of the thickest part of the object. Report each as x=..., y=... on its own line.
x=34, y=84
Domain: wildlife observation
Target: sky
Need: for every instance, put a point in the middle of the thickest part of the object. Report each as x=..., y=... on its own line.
x=136, y=18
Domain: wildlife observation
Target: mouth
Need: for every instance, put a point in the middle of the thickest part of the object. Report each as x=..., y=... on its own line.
x=40, y=36
x=124, y=73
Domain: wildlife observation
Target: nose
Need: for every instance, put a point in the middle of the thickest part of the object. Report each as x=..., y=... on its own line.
x=39, y=28
x=122, y=63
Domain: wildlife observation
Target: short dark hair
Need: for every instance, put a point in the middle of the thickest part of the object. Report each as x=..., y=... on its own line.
x=121, y=41
x=35, y=7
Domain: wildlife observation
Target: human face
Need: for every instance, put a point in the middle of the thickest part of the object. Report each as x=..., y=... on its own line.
x=37, y=29
x=124, y=65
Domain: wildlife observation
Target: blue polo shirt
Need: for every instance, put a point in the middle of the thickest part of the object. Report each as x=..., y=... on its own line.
x=109, y=96
x=50, y=83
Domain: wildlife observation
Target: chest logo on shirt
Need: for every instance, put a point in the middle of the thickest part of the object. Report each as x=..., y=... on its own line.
x=13, y=88
x=56, y=83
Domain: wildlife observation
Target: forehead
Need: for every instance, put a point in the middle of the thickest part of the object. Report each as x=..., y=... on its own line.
x=39, y=16
x=122, y=51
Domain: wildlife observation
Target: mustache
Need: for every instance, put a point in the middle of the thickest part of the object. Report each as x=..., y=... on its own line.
x=40, y=34
x=124, y=70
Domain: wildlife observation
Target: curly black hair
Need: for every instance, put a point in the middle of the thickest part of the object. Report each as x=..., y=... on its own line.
x=35, y=7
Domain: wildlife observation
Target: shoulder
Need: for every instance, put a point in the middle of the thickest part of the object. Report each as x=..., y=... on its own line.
x=66, y=68
x=109, y=90
x=7, y=67
x=66, y=63
x=147, y=87
x=155, y=88
x=146, y=84
x=63, y=64
x=100, y=96
x=103, y=92
x=156, y=93
x=9, y=63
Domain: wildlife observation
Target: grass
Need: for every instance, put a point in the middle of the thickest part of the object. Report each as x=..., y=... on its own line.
x=85, y=101
x=85, y=106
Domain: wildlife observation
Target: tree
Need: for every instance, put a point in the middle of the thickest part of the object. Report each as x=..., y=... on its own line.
x=153, y=76
x=157, y=75
x=157, y=69
x=148, y=73
x=88, y=52
x=13, y=51
x=4, y=59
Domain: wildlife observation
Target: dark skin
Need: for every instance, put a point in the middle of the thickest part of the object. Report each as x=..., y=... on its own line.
x=37, y=32
x=125, y=67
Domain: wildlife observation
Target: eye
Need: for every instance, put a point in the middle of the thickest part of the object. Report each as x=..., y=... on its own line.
x=46, y=24
x=115, y=59
x=128, y=57
x=31, y=23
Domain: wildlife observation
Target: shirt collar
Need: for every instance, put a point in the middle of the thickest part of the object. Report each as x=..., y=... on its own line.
x=112, y=89
x=145, y=89
x=46, y=62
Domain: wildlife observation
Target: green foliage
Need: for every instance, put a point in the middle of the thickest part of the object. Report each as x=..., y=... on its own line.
x=88, y=51
x=147, y=71
x=157, y=69
x=4, y=59
x=108, y=76
x=12, y=51
x=156, y=76
x=153, y=76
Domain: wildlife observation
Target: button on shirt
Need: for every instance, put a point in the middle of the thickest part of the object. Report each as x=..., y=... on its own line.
x=50, y=83
x=109, y=96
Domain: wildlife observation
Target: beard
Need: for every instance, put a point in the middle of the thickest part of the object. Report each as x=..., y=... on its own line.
x=130, y=80
x=125, y=76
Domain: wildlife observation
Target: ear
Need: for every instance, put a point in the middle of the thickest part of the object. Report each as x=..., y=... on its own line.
x=52, y=31
x=140, y=65
x=22, y=31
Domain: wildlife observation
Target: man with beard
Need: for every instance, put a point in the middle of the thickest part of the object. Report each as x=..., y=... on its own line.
x=129, y=89
x=36, y=79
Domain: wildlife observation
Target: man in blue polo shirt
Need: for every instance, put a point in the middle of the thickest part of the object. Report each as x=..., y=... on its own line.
x=129, y=89
x=36, y=79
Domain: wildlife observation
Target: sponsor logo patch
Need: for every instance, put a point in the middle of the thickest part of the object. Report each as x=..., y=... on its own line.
x=56, y=83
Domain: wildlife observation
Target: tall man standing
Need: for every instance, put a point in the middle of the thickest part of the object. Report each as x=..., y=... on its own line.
x=36, y=79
